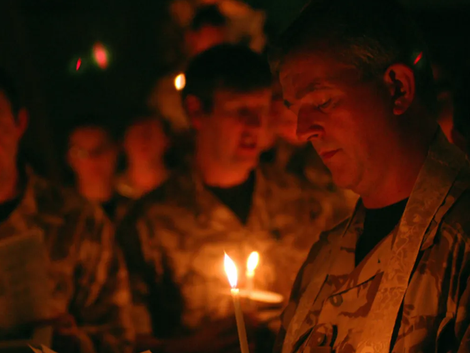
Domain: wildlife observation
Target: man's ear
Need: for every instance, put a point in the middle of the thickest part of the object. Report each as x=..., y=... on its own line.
x=22, y=121
x=400, y=81
x=195, y=110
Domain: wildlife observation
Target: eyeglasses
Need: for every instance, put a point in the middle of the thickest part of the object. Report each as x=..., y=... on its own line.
x=83, y=153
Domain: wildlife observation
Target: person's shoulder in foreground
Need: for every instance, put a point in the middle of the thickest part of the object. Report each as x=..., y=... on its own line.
x=358, y=77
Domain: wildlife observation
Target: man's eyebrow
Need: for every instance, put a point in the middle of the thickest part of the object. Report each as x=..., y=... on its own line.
x=312, y=87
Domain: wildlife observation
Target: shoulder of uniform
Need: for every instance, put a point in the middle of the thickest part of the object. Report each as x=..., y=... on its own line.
x=76, y=216
x=49, y=194
x=337, y=229
x=176, y=193
x=59, y=200
x=457, y=219
x=276, y=177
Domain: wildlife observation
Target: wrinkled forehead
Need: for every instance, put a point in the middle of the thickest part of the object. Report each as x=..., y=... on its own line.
x=311, y=68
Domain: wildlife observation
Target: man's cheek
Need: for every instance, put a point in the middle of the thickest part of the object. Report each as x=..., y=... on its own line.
x=6, y=144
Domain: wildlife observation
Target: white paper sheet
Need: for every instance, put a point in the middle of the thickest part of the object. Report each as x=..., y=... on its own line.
x=24, y=285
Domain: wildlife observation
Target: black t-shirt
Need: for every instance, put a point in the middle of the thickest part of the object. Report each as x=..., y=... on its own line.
x=238, y=198
x=377, y=225
x=110, y=207
x=7, y=208
x=268, y=156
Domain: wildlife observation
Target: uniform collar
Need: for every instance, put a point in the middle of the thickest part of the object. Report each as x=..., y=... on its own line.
x=208, y=206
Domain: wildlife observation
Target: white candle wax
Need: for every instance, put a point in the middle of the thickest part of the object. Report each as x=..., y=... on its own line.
x=240, y=321
x=250, y=285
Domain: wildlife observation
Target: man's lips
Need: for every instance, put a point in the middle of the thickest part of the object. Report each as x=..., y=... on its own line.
x=248, y=146
x=328, y=154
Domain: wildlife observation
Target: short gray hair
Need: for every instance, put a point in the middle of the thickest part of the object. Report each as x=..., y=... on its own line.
x=370, y=34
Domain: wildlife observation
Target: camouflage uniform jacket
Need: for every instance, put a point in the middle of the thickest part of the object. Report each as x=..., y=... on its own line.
x=86, y=275
x=183, y=239
x=410, y=294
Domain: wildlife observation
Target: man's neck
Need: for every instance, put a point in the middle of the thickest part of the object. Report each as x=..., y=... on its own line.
x=398, y=182
x=98, y=192
x=216, y=175
x=9, y=185
x=147, y=177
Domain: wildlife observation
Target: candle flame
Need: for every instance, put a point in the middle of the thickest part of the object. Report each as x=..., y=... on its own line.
x=180, y=82
x=252, y=261
x=231, y=271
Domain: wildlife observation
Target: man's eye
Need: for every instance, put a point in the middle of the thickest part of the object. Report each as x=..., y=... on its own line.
x=325, y=105
x=243, y=112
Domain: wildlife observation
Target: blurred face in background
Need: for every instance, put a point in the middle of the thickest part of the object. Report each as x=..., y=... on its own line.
x=11, y=131
x=204, y=38
x=92, y=155
x=231, y=134
x=145, y=142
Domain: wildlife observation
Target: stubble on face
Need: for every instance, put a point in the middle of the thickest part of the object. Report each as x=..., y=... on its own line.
x=343, y=116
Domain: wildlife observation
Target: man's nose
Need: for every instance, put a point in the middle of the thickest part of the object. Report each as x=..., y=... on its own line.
x=309, y=126
x=254, y=120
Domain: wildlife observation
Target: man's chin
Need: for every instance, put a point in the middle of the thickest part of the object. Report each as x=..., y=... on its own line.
x=342, y=179
x=247, y=162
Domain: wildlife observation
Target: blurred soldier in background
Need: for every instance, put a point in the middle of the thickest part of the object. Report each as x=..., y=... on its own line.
x=224, y=203
x=87, y=285
x=92, y=156
x=206, y=30
x=146, y=141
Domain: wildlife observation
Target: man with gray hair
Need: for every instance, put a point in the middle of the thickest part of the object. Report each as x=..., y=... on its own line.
x=393, y=277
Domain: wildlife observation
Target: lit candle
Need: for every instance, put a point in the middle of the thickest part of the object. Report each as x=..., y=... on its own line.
x=251, y=264
x=231, y=271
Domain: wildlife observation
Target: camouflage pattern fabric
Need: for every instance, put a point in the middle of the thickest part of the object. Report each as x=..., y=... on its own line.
x=87, y=278
x=126, y=189
x=183, y=239
x=416, y=277
x=304, y=163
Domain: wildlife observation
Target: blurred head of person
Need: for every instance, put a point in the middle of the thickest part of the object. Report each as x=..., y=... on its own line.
x=357, y=76
x=207, y=29
x=13, y=124
x=146, y=140
x=227, y=97
x=92, y=152
x=444, y=94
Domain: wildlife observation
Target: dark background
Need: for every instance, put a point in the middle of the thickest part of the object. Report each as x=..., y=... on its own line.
x=41, y=41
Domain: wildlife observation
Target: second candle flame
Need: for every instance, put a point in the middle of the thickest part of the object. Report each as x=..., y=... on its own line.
x=252, y=262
